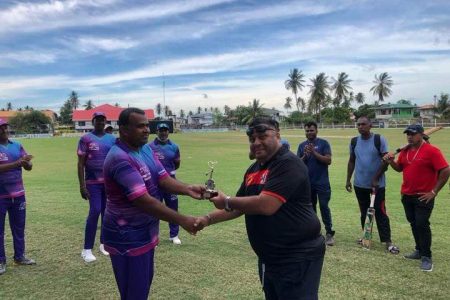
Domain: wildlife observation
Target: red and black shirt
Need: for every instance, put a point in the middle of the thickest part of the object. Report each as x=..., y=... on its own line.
x=292, y=234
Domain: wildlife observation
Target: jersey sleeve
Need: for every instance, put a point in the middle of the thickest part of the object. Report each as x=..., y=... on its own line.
x=326, y=148
x=22, y=151
x=282, y=180
x=438, y=159
x=128, y=178
x=300, y=150
x=177, y=154
x=82, y=147
x=384, y=145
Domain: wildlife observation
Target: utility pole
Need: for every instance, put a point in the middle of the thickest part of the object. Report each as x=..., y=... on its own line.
x=164, y=92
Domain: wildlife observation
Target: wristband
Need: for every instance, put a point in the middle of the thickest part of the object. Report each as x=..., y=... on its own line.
x=227, y=204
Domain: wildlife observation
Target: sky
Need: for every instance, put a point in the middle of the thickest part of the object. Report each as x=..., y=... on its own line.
x=186, y=54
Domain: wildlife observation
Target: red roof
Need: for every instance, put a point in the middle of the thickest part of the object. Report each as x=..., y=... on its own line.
x=112, y=113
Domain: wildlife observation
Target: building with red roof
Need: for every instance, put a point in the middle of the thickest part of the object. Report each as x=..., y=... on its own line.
x=83, y=118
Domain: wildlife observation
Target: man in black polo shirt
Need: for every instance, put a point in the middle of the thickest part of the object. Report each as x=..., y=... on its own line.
x=282, y=226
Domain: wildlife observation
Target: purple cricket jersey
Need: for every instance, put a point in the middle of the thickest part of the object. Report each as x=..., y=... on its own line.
x=167, y=153
x=95, y=149
x=11, y=184
x=128, y=175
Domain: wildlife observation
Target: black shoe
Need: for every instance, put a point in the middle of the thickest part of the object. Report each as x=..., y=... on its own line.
x=413, y=255
x=24, y=261
x=427, y=264
x=2, y=267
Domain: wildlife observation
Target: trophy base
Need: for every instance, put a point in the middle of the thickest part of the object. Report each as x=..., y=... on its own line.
x=208, y=194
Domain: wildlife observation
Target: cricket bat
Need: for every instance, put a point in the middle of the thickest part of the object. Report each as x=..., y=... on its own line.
x=368, y=225
x=426, y=137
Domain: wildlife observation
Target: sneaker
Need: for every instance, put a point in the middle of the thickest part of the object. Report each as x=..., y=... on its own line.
x=87, y=255
x=176, y=240
x=427, y=264
x=413, y=255
x=102, y=250
x=2, y=267
x=329, y=239
x=24, y=261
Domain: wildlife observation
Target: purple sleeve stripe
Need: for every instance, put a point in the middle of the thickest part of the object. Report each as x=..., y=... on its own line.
x=137, y=194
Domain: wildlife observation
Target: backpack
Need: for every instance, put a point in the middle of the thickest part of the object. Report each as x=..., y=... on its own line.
x=376, y=141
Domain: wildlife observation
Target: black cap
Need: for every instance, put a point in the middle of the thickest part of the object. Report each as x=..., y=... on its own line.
x=415, y=128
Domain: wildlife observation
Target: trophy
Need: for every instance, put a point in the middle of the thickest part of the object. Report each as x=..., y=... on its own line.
x=210, y=184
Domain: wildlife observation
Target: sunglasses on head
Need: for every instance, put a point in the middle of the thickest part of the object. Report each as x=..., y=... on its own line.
x=261, y=128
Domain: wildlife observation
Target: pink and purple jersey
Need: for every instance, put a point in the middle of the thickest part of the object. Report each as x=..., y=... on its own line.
x=167, y=153
x=11, y=184
x=128, y=175
x=95, y=149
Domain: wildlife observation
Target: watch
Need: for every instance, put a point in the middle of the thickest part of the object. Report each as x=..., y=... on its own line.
x=227, y=204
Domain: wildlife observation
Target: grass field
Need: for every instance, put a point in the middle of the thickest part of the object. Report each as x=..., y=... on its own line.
x=218, y=263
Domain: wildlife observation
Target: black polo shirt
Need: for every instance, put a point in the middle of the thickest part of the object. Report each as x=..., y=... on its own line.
x=292, y=234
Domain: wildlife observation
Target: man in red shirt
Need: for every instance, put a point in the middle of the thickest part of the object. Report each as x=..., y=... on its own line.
x=419, y=191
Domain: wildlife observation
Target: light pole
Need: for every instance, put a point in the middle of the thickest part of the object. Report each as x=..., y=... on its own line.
x=434, y=110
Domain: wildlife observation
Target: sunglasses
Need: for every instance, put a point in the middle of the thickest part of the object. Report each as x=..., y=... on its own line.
x=261, y=128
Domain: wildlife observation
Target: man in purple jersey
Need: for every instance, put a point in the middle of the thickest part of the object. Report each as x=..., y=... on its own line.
x=168, y=154
x=92, y=150
x=12, y=195
x=134, y=180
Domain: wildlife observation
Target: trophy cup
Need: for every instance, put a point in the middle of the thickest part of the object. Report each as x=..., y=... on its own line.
x=210, y=184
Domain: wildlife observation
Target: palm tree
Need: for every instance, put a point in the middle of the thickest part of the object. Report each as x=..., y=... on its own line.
x=382, y=87
x=287, y=104
x=89, y=105
x=116, y=105
x=199, y=110
x=74, y=101
x=9, y=106
x=190, y=113
x=295, y=83
x=319, y=92
x=360, y=98
x=167, y=111
x=158, y=109
x=300, y=103
x=226, y=110
x=182, y=115
x=341, y=87
x=254, y=110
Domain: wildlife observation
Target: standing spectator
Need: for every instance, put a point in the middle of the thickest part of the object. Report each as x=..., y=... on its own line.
x=316, y=153
x=13, y=158
x=134, y=180
x=366, y=152
x=282, y=227
x=92, y=150
x=168, y=154
x=425, y=172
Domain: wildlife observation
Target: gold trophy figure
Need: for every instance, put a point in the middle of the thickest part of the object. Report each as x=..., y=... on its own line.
x=210, y=184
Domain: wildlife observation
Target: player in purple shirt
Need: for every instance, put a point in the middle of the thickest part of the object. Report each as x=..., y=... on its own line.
x=92, y=150
x=134, y=178
x=168, y=154
x=12, y=195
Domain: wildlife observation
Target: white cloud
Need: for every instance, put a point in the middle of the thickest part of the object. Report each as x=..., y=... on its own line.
x=94, y=44
x=27, y=57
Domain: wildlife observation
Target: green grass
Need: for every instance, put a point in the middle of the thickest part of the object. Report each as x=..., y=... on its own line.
x=218, y=263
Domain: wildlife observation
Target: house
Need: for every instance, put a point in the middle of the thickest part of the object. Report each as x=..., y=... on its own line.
x=397, y=111
x=201, y=120
x=428, y=112
x=83, y=118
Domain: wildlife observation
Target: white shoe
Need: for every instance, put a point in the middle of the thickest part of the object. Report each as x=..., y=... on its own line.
x=176, y=240
x=102, y=250
x=87, y=255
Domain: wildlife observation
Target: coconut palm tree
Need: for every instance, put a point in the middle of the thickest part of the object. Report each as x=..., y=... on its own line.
x=360, y=98
x=89, y=105
x=158, y=109
x=167, y=111
x=226, y=110
x=182, y=115
x=199, y=110
x=9, y=106
x=74, y=101
x=295, y=83
x=288, y=104
x=382, y=87
x=254, y=110
x=319, y=92
x=341, y=87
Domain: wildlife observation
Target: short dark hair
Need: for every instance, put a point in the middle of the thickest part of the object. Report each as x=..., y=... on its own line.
x=366, y=117
x=311, y=123
x=264, y=120
x=124, y=117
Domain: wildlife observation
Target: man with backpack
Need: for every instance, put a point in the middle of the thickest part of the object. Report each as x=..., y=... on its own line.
x=366, y=152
